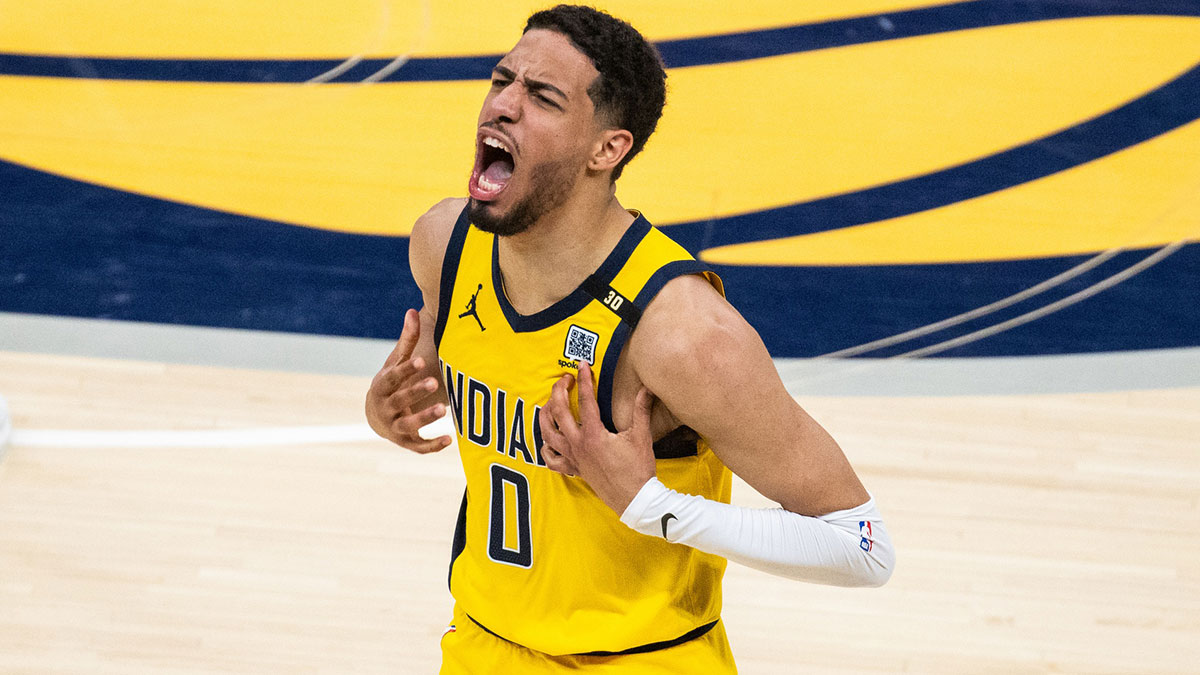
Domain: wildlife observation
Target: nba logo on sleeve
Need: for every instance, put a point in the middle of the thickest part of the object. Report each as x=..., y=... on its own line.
x=864, y=532
x=581, y=345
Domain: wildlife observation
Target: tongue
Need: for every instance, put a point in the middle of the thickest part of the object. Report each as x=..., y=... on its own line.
x=492, y=180
x=499, y=171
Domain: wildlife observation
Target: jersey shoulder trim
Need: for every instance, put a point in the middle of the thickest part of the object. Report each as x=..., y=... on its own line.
x=617, y=343
x=450, y=262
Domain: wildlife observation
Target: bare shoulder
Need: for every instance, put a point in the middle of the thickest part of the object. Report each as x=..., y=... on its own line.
x=427, y=242
x=690, y=322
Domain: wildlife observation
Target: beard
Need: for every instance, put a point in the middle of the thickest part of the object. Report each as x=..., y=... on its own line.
x=552, y=183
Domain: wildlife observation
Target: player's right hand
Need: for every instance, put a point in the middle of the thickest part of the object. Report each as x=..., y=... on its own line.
x=403, y=396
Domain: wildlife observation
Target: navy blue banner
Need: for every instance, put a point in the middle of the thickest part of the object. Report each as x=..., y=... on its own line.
x=698, y=51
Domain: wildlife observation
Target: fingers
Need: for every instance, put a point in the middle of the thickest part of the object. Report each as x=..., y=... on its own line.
x=392, y=378
x=555, y=421
x=560, y=463
x=557, y=410
x=643, y=405
x=423, y=446
x=412, y=423
x=589, y=410
x=409, y=336
x=407, y=430
x=401, y=398
x=559, y=429
x=561, y=388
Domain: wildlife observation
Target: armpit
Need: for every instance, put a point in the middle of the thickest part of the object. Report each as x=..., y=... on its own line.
x=682, y=442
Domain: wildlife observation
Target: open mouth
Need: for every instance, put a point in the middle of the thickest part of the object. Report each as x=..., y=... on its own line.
x=494, y=165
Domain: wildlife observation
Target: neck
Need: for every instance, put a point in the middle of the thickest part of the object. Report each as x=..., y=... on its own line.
x=545, y=263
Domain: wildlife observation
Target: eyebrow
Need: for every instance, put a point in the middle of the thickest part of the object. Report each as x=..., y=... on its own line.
x=532, y=84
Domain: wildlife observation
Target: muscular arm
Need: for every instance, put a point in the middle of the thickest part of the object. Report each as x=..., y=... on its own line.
x=426, y=248
x=725, y=386
x=712, y=372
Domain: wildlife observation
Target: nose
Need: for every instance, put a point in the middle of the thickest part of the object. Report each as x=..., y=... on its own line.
x=505, y=104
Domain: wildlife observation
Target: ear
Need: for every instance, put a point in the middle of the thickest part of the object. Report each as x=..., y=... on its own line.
x=610, y=149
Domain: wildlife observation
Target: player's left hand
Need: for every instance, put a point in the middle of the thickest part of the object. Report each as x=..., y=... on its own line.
x=615, y=466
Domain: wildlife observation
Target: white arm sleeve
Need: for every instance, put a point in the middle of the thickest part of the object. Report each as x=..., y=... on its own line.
x=843, y=548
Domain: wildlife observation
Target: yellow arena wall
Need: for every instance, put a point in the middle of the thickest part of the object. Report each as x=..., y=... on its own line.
x=853, y=170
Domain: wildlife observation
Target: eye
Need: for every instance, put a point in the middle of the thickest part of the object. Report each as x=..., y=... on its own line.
x=547, y=101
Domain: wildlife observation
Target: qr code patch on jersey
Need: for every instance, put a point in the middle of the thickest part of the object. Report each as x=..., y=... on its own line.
x=581, y=345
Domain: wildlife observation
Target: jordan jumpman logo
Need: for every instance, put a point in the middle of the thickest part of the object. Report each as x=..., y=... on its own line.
x=471, y=309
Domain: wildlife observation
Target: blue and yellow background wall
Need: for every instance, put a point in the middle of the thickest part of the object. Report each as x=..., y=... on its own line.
x=855, y=170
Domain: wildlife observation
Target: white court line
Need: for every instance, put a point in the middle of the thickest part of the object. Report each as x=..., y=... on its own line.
x=399, y=61
x=957, y=319
x=858, y=367
x=336, y=71
x=385, y=18
x=208, y=438
x=361, y=432
x=312, y=435
x=5, y=426
x=1109, y=282
x=390, y=68
x=1184, y=197
x=393, y=65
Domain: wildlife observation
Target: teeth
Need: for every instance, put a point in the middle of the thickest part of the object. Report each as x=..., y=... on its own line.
x=488, y=140
x=487, y=184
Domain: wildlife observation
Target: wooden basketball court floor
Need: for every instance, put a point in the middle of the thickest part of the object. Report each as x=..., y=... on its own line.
x=239, y=520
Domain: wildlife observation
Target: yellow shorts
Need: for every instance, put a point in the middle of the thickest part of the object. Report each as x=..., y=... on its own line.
x=470, y=650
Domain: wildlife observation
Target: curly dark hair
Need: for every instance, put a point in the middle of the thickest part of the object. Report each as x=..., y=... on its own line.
x=632, y=86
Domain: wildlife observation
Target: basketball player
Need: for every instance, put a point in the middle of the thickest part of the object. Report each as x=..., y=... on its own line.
x=602, y=389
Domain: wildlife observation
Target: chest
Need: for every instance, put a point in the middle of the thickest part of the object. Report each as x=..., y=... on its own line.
x=504, y=356
x=497, y=378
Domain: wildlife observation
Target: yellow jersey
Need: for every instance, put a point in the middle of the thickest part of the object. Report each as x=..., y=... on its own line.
x=538, y=558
